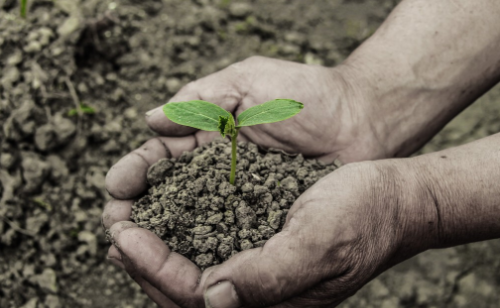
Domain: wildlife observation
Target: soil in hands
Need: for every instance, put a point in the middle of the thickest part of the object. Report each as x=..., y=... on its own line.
x=199, y=214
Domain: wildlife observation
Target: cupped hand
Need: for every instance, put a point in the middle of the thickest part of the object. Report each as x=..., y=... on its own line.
x=342, y=232
x=333, y=124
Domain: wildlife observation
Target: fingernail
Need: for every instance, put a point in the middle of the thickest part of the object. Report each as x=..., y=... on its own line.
x=222, y=295
x=151, y=112
x=114, y=253
x=117, y=228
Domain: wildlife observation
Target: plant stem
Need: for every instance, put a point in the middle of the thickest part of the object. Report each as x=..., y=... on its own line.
x=234, y=145
x=23, y=8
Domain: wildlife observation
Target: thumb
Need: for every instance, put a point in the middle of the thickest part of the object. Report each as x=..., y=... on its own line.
x=221, y=88
x=287, y=265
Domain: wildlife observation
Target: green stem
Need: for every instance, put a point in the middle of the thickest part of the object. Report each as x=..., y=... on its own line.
x=23, y=8
x=234, y=145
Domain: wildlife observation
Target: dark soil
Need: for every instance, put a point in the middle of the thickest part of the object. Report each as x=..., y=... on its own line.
x=124, y=57
x=198, y=213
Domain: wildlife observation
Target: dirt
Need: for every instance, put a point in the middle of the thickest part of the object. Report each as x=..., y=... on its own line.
x=198, y=213
x=125, y=57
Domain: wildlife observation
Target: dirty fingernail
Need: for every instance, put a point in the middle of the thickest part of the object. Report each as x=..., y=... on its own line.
x=114, y=253
x=119, y=227
x=151, y=112
x=222, y=295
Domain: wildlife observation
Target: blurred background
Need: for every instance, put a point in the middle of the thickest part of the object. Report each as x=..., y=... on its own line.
x=76, y=78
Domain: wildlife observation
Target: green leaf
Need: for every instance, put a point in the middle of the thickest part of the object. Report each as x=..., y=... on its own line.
x=198, y=114
x=269, y=112
x=87, y=109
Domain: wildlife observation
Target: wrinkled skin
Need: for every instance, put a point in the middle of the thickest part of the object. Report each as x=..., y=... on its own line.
x=319, y=239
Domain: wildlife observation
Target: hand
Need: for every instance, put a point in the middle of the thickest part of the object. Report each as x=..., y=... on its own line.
x=332, y=124
x=341, y=233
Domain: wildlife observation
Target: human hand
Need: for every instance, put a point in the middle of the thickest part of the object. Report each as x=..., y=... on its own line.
x=331, y=126
x=342, y=232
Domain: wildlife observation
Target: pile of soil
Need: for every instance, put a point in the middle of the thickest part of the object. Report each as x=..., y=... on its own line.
x=198, y=213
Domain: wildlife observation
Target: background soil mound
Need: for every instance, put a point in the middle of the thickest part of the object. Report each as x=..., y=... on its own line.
x=199, y=214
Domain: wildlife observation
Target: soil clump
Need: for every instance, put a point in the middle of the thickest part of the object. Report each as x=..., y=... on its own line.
x=199, y=214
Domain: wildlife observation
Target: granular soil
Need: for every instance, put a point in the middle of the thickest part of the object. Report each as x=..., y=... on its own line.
x=199, y=214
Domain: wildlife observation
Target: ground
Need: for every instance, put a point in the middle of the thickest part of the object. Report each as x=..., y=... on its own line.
x=76, y=78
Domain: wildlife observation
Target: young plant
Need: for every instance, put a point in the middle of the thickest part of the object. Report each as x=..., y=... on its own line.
x=210, y=117
x=23, y=7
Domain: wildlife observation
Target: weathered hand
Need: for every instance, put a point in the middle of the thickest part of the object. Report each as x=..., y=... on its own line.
x=332, y=124
x=341, y=233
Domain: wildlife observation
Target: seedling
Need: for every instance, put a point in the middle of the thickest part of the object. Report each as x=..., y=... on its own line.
x=210, y=117
x=82, y=109
x=23, y=8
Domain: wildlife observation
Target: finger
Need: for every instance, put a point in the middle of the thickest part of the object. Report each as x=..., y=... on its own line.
x=159, y=298
x=221, y=88
x=127, y=178
x=115, y=211
x=114, y=256
x=290, y=263
x=145, y=254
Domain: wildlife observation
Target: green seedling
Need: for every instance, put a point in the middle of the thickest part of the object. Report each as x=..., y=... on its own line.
x=210, y=117
x=23, y=7
x=83, y=108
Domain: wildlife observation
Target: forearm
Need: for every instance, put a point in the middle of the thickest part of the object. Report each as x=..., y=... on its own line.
x=461, y=186
x=425, y=64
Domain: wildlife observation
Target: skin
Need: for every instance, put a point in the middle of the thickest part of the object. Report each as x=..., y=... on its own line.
x=425, y=64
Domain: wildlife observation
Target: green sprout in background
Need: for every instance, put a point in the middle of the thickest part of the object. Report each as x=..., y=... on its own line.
x=210, y=117
x=82, y=109
x=23, y=8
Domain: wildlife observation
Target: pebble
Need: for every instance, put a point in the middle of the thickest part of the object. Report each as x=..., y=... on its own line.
x=90, y=239
x=70, y=25
x=52, y=301
x=35, y=171
x=240, y=9
x=47, y=280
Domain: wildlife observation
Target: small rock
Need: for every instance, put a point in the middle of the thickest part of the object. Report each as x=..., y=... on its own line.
x=90, y=239
x=274, y=219
x=259, y=190
x=70, y=25
x=204, y=260
x=47, y=280
x=52, y=301
x=7, y=160
x=10, y=75
x=290, y=184
x=240, y=9
x=173, y=85
x=15, y=58
x=246, y=244
x=247, y=187
x=35, y=223
x=245, y=216
x=34, y=172
x=33, y=47
x=202, y=230
x=225, y=189
x=214, y=219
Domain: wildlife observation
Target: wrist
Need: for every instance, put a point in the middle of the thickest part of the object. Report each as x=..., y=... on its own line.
x=414, y=219
x=398, y=111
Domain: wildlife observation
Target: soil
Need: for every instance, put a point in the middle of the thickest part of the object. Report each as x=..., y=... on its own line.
x=124, y=57
x=199, y=214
